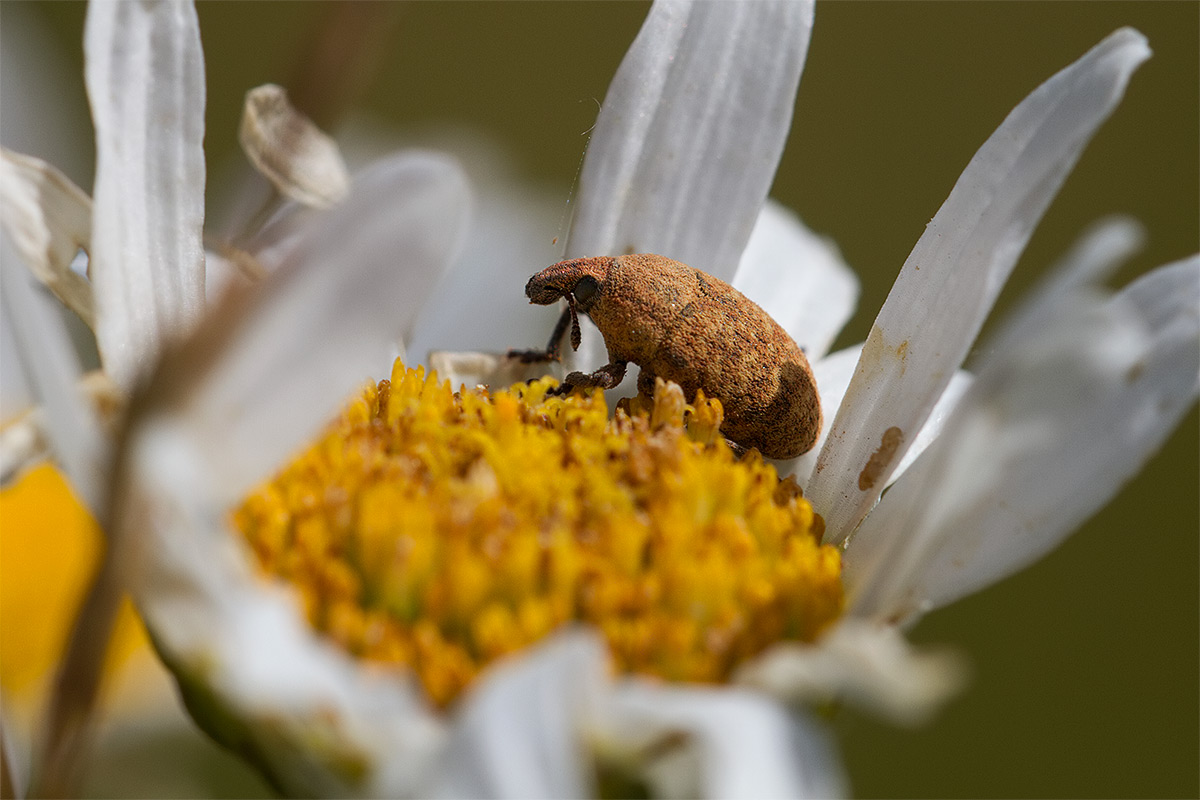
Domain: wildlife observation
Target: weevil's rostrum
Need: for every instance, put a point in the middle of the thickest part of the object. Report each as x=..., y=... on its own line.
x=682, y=325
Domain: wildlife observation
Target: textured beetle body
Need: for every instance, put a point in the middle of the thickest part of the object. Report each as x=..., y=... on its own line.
x=679, y=324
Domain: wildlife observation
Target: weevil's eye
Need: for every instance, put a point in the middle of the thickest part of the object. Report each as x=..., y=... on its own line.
x=586, y=291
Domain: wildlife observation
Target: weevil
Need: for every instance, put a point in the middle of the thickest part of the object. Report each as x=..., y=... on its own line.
x=682, y=325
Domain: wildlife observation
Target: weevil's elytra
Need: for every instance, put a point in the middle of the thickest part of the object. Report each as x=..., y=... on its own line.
x=679, y=324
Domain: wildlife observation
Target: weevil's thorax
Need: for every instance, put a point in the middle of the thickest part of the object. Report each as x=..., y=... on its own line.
x=639, y=304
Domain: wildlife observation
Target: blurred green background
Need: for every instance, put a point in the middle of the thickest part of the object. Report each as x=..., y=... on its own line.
x=1086, y=668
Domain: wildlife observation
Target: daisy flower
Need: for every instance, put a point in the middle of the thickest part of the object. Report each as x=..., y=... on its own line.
x=145, y=280
x=421, y=680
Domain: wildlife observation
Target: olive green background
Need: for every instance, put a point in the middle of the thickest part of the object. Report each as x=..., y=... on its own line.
x=1086, y=667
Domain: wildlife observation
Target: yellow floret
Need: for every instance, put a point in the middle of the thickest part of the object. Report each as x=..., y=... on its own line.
x=442, y=530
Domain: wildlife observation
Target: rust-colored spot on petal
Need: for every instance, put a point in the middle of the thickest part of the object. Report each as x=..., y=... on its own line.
x=881, y=458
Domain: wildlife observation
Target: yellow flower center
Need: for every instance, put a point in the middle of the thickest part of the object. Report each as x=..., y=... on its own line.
x=442, y=530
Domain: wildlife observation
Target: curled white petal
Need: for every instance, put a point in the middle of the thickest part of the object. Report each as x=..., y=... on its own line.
x=949, y=282
x=145, y=82
x=49, y=219
x=296, y=156
x=1052, y=429
x=799, y=278
x=868, y=665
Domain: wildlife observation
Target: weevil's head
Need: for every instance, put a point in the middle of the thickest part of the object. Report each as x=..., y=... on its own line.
x=580, y=280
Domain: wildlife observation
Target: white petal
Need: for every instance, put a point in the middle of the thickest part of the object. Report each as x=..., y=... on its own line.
x=145, y=81
x=521, y=732
x=674, y=167
x=16, y=395
x=221, y=272
x=935, y=422
x=290, y=351
x=1051, y=431
x=493, y=370
x=251, y=669
x=23, y=438
x=722, y=742
x=481, y=303
x=798, y=278
x=49, y=219
x=871, y=666
x=691, y=131
x=271, y=244
x=286, y=229
x=949, y=282
x=266, y=369
x=52, y=371
x=22, y=445
x=296, y=156
x=1097, y=254
x=833, y=374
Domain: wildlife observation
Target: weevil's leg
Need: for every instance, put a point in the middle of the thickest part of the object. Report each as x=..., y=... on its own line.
x=645, y=383
x=552, y=351
x=739, y=450
x=606, y=377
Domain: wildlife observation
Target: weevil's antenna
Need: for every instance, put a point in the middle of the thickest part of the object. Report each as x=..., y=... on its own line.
x=564, y=219
x=576, y=335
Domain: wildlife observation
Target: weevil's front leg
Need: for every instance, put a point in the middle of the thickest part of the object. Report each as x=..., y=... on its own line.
x=606, y=377
x=554, y=346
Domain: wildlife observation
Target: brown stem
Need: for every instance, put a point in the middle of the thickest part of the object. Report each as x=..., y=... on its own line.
x=340, y=58
x=71, y=717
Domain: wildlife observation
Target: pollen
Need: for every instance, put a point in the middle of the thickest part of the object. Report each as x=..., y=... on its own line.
x=442, y=530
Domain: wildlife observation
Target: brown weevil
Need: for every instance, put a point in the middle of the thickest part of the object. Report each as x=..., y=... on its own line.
x=679, y=324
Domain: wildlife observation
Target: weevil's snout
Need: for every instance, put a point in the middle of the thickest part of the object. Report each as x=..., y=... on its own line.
x=565, y=278
x=544, y=290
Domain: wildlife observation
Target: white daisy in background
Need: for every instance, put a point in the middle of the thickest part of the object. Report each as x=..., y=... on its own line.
x=146, y=272
x=671, y=169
